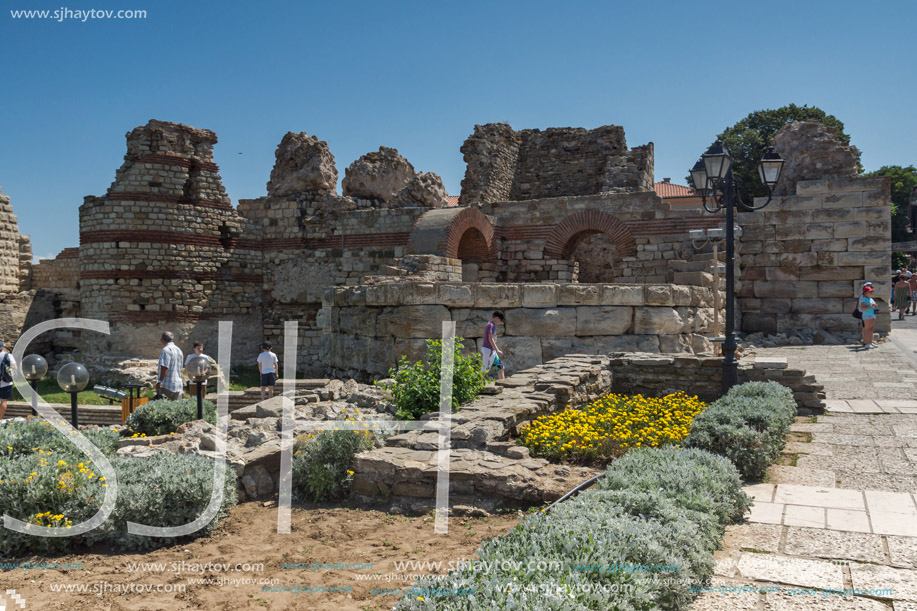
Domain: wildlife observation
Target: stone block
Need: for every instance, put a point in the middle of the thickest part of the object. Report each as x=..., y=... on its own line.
x=675, y=344
x=818, y=306
x=863, y=244
x=785, y=290
x=455, y=295
x=603, y=320
x=818, y=272
x=681, y=295
x=864, y=258
x=693, y=279
x=753, y=322
x=358, y=321
x=496, y=296
x=419, y=293
x=777, y=274
x=413, y=321
x=414, y=349
x=519, y=353
x=657, y=321
x=850, y=229
x=541, y=322
x=842, y=200
x=836, y=245
x=819, y=231
x=836, y=289
x=658, y=295
x=539, y=295
x=775, y=306
x=578, y=294
x=622, y=294
x=608, y=344
x=470, y=323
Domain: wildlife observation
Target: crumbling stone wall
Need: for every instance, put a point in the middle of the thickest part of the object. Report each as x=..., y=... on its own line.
x=503, y=164
x=10, y=266
x=806, y=255
x=164, y=249
x=60, y=273
x=368, y=327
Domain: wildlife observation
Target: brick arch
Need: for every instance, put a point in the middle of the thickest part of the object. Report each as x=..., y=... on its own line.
x=567, y=234
x=440, y=231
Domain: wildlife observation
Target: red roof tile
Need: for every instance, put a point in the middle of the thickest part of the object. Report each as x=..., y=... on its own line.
x=453, y=201
x=667, y=189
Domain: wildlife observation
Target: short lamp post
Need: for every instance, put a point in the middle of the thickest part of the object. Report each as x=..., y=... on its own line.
x=73, y=378
x=714, y=181
x=34, y=367
x=197, y=370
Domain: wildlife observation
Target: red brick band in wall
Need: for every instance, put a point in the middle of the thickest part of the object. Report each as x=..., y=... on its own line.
x=565, y=237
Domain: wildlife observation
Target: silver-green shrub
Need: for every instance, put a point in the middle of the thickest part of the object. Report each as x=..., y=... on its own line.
x=748, y=425
x=163, y=417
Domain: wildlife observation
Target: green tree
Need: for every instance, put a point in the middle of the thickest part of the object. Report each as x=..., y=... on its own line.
x=903, y=181
x=750, y=138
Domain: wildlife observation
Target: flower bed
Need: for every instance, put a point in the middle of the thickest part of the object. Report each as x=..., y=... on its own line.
x=610, y=426
x=642, y=540
x=44, y=479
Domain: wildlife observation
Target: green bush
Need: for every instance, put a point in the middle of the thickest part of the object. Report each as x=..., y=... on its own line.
x=415, y=389
x=661, y=512
x=321, y=463
x=164, y=417
x=748, y=426
x=46, y=480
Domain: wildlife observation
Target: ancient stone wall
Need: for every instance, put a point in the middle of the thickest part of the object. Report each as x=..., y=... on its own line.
x=60, y=273
x=805, y=257
x=503, y=164
x=368, y=327
x=10, y=267
x=165, y=250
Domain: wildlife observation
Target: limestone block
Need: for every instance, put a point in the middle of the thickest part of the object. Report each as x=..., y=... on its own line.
x=471, y=323
x=495, y=296
x=257, y=482
x=539, y=295
x=681, y=295
x=327, y=319
x=851, y=229
x=358, y=321
x=657, y=321
x=541, y=322
x=414, y=349
x=455, y=295
x=837, y=289
x=753, y=322
x=819, y=231
x=785, y=290
x=603, y=320
x=701, y=297
x=818, y=306
x=777, y=274
x=700, y=344
x=819, y=272
x=693, y=278
x=419, y=293
x=622, y=294
x=578, y=294
x=519, y=353
x=658, y=295
x=776, y=306
x=413, y=321
x=673, y=344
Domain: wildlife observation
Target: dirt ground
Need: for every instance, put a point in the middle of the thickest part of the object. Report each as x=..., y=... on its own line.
x=372, y=540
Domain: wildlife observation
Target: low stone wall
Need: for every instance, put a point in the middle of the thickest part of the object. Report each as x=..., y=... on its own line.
x=369, y=327
x=59, y=273
x=658, y=375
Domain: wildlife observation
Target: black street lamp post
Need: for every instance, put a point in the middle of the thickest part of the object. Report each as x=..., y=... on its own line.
x=713, y=179
x=34, y=367
x=197, y=369
x=73, y=378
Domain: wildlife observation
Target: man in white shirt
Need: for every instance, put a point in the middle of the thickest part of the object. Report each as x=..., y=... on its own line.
x=267, y=367
x=7, y=367
x=170, y=365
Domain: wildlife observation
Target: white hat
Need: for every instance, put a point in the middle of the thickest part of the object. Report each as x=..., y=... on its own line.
x=908, y=274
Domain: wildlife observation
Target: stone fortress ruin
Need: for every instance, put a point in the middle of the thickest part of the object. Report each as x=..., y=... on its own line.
x=559, y=227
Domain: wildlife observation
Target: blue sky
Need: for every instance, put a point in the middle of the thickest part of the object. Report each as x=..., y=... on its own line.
x=417, y=76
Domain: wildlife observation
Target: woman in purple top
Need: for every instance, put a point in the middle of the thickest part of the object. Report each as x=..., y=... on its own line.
x=489, y=351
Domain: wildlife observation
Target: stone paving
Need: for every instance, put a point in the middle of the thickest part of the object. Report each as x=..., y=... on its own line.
x=835, y=525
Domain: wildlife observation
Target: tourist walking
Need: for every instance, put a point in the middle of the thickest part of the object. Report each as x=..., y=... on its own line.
x=171, y=359
x=7, y=367
x=198, y=351
x=490, y=352
x=912, y=281
x=867, y=305
x=902, y=294
x=267, y=367
x=896, y=276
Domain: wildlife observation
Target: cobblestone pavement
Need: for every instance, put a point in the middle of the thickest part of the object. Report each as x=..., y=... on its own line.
x=835, y=525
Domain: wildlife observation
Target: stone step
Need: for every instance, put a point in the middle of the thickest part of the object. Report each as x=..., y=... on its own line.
x=99, y=415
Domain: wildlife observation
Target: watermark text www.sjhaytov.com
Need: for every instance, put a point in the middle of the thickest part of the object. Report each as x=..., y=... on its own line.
x=83, y=15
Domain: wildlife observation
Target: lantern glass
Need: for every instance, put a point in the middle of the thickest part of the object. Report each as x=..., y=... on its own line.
x=72, y=377
x=198, y=368
x=717, y=162
x=699, y=176
x=769, y=168
x=34, y=367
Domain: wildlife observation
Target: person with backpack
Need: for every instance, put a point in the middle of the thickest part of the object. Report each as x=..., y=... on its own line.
x=867, y=307
x=7, y=367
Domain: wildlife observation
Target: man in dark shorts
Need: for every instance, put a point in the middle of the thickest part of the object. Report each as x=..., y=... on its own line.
x=489, y=351
x=267, y=367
